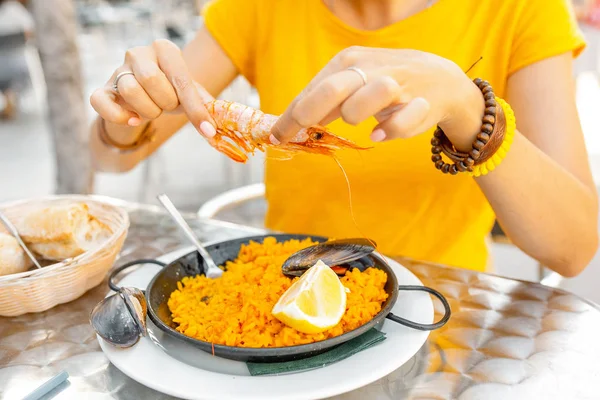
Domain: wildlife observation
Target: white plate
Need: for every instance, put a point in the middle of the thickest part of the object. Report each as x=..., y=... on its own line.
x=177, y=369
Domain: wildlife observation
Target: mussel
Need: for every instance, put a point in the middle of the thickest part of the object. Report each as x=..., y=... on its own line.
x=120, y=319
x=335, y=253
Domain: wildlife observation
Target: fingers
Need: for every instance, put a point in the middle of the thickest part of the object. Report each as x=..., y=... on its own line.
x=160, y=81
x=372, y=99
x=173, y=65
x=404, y=123
x=317, y=104
x=342, y=94
x=326, y=97
x=135, y=96
x=144, y=65
x=285, y=127
x=332, y=116
x=135, y=92
x=104, y=102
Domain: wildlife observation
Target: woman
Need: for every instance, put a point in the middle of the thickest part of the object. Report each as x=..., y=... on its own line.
x=405, y=79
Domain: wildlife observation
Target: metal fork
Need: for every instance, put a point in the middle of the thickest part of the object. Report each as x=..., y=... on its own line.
x=212, y=271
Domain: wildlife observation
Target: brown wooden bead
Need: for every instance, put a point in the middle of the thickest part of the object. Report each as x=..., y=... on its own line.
x=489, y=119
x=484, y=137
x=439, y=139
x=487, y=128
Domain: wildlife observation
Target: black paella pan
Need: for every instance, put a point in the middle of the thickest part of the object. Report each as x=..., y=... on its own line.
x=165, y=282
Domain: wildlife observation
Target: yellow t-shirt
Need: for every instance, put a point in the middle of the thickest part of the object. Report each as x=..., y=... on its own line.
x=399, y=199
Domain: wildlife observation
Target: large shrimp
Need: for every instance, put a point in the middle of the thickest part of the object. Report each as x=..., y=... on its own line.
x=242, y=129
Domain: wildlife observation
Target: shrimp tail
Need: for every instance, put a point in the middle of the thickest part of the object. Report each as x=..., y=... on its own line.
x=231, y=151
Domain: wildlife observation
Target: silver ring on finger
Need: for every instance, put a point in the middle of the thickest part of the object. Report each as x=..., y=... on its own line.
x=360, y=72
x=119, y=76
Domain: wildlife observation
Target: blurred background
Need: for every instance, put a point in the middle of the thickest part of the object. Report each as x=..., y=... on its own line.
x=54, y=53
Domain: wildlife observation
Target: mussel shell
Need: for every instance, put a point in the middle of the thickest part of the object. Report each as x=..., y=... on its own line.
x=120, y=319
x=136, y=303
x=332, y=253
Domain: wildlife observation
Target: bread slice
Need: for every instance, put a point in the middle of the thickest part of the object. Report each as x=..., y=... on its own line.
x=61, y=232
x=12, y=257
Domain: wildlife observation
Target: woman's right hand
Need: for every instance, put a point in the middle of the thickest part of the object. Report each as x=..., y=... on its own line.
x=161, y=82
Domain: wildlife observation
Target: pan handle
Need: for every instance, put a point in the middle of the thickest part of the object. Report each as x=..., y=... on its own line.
x=113, y=286
x=416, y=325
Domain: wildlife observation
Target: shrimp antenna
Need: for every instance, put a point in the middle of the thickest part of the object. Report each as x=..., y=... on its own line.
x=350, y=201
x=475, y=63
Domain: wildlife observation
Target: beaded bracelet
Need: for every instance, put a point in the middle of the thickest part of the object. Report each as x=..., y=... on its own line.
x=490, y=145
x=483, y=167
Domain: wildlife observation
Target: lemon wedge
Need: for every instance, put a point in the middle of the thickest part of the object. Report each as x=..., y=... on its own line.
x=314, y=303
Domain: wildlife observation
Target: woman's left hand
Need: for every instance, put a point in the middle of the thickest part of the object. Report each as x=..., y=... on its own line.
x=407, y=91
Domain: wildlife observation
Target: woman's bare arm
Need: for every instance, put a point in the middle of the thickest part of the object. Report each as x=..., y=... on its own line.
x=543, y=192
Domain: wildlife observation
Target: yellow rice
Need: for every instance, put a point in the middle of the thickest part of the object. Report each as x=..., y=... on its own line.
x=235, y=310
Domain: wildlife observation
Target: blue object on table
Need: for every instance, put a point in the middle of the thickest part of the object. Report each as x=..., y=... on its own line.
x=47, y=386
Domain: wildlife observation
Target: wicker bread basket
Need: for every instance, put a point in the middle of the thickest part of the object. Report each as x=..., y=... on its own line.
x=38, y=290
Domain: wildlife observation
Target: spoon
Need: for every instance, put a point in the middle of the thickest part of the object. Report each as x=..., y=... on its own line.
x=212, y=271
x=13, y=230
x=120, y=319
x=333, y=253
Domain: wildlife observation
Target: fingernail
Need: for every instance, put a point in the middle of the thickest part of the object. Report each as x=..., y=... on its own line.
x=207, y=129
x=134, y=121
x=274, y=140
x=377, y=135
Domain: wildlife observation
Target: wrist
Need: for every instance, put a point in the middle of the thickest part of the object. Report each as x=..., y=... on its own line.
x=130, y=139
x=119, y=134
x=464, y=119
x=489, y=146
